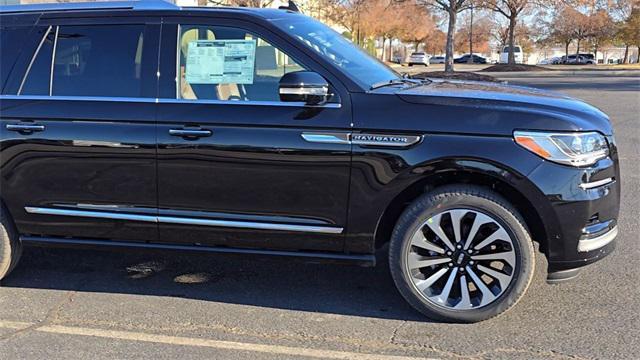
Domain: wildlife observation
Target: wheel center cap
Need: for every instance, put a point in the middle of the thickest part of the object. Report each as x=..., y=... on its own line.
x=460, y=258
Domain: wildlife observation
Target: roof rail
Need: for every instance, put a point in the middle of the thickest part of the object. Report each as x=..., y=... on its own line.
x=94, y=5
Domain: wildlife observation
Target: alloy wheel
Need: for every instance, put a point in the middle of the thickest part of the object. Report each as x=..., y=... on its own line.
x=461, y=259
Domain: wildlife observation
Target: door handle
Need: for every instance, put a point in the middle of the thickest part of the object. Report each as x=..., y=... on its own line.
x=190, y=133
x=25, y=128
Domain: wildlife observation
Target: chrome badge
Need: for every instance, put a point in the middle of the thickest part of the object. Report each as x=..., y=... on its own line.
x=385, y=140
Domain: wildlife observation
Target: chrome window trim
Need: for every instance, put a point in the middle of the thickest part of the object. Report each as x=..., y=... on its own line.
x=53, y=60
x=169, y=101
x=33, y=59
x=178, y=78
x=185, y=220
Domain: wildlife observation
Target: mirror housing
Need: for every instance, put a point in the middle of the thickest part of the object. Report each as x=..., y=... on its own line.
x=304, y=86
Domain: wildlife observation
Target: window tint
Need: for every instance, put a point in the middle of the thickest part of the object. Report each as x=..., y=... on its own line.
x=37, y=80
x=100, y=60
x=12, y=40
x=223, y=63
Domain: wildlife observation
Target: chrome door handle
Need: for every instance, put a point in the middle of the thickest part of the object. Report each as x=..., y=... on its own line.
x=190, y=133
x=25, y=128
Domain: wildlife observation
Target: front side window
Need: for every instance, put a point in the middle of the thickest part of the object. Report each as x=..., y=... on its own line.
x=97, y=60
x=225, y=63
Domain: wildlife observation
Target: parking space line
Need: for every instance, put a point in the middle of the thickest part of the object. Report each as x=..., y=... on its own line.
x=197, y=342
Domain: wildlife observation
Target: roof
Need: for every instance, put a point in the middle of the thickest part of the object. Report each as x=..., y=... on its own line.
x=136, y=5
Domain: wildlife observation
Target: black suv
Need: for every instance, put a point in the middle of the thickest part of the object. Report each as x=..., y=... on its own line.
x=255, y=131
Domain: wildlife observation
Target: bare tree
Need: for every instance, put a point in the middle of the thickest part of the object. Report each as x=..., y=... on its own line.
x=451, y=8
x=511, y=9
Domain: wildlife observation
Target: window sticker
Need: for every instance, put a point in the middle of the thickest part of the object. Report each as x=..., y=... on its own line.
x=220, y=62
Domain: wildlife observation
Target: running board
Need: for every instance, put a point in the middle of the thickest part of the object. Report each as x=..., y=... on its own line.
x=361, y=260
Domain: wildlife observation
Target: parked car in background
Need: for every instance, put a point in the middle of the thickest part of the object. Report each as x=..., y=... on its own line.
x=464, y=59
x=418, y=58
x=397, y=59
x=517, y=53
x=549, y=61
x=437, y=60
x=578, y=59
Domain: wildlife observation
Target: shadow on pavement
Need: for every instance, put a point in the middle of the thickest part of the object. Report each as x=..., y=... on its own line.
x=282, y=283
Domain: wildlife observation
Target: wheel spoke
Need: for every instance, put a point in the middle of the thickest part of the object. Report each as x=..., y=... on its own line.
x=465, y=302
x=446, y=290
x=487, y=295
x=418, y=262
x=456, y=222
x=420, y=241
x=426, y=283
x=508, y=256
x=434, y=224
x=499, y=234
x=480, y=220
x=503, y=279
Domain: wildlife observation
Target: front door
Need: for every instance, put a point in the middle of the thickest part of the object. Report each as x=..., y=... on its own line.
x=236, y=166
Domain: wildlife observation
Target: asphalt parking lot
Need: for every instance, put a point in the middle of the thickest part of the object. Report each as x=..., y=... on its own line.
x=106, y=305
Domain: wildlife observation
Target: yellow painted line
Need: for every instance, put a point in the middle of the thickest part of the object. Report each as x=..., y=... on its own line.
x=197, y=342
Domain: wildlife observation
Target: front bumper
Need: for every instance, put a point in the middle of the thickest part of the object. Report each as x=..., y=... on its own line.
x=579, y=211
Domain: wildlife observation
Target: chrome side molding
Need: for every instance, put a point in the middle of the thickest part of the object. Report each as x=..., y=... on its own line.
x=595, y=184
x=585, y=245
x=387, y=140
x=327, y=137
x=186, y=221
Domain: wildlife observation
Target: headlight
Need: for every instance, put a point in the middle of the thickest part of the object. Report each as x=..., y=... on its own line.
x=576, y=149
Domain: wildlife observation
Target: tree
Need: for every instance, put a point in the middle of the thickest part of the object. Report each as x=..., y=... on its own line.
x=477, y=39
x=629, y=32
x=602, y=29
x=510, y=9
x=451, y=8
x=564, y=26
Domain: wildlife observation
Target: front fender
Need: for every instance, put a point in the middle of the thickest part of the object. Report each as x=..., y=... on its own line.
x=384, y=180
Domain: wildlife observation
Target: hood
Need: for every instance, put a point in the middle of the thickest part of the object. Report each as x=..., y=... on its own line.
x=503, y=97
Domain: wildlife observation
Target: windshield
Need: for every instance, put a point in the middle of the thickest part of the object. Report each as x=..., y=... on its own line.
x=359, y=65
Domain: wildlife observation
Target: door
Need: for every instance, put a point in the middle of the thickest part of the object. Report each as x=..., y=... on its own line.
x=78, y=135
x=233, y=166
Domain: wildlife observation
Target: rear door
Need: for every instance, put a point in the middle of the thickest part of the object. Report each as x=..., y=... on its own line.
x=78, y=130
x=251, y=175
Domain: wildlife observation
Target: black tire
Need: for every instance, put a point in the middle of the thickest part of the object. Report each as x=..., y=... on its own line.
x=10, y=246
x=465, y=197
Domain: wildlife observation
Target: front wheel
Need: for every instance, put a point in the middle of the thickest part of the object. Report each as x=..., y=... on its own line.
x=461, y=254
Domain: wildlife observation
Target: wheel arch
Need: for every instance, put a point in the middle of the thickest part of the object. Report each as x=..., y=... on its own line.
x=507, y=183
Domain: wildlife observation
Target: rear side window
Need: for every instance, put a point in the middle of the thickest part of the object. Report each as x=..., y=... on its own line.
x=11, y=42
x=100, y=60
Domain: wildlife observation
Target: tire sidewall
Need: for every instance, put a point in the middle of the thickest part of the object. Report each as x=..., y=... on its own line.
x=429, y=205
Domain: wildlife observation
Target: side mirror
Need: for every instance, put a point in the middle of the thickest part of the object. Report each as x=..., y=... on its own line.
x=304, y=86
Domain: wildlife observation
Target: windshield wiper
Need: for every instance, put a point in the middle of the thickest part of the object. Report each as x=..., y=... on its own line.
x=400, y=81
